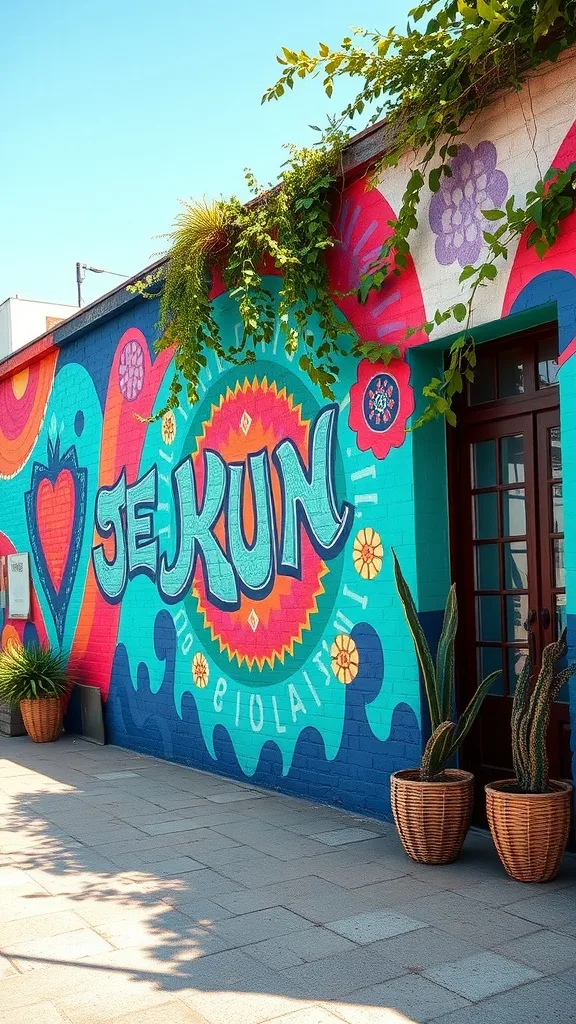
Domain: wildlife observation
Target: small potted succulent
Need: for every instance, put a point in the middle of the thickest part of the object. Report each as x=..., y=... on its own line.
x=529, y=815
x=35, y=678
x=432, y=804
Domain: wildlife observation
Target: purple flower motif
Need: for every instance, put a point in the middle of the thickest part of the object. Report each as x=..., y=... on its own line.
x=131, y=370
x=455, y=213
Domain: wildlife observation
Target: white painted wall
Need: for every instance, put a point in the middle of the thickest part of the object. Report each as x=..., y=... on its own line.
x=22, y=320
x=5, y=332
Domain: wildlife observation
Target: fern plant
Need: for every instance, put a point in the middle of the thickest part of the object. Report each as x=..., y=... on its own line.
x=32, y=672
x=531, y=714
x=447, y=734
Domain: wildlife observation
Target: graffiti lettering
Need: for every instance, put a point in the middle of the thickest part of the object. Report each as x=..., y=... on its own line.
x=239, y=566
x=255, y=710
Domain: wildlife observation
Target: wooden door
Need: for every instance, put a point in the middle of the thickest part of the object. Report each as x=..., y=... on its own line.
x=507, y=542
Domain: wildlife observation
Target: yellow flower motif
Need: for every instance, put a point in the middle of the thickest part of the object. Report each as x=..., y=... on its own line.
x=345, y=659
x=200, y=670
x=367, y=553
x=168, y=427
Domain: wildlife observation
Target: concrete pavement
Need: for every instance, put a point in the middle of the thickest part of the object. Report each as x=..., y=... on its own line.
x=136, y=891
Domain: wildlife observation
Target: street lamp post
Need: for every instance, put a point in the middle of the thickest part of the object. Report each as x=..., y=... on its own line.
x=81, y=269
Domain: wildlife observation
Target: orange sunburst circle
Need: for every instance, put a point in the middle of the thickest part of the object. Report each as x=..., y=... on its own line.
x=256, y=416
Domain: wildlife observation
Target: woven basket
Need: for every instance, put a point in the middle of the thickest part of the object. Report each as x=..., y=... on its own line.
x=530, y=830
x=432, y=818
x=42, y=718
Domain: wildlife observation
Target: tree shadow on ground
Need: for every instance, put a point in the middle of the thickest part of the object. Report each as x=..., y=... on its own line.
x=97, y=912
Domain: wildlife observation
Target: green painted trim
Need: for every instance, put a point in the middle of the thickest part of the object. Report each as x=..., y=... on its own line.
x=513, y=324
x=429, y=464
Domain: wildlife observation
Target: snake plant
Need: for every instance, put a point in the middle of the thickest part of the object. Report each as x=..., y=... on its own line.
x=531, y=715
x=438, y=677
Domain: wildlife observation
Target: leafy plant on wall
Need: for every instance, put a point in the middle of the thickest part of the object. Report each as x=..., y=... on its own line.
x=285, y=230
x=426, y=83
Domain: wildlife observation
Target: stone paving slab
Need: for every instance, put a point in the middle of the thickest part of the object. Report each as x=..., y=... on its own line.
x=39, y=1013
x=133, y=890
x=416, y=998
x=542, y=1002
x=427, y=947
x=480, y=975
x=377, y=924
x=548, y=952
x=171, y=1012
x=343, y=836
x=315, y=943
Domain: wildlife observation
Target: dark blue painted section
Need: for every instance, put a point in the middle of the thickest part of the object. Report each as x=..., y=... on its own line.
x=552, y=286
x=358, y=778
x=102, y=340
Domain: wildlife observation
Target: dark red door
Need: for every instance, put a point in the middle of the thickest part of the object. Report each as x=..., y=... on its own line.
x=507, y=539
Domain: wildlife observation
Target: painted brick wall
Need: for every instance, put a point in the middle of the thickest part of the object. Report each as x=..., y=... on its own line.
x=273, y=648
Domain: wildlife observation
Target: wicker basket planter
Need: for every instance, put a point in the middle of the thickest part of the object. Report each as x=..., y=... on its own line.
x=530, y=830
x=42, y=718
x=432, y=818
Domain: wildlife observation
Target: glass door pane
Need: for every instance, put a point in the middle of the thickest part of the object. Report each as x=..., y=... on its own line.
x=499, y=514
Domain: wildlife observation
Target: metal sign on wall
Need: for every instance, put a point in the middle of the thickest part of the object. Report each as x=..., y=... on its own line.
x=18, y=573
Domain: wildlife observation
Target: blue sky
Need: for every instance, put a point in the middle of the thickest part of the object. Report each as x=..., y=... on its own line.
x=112, y=111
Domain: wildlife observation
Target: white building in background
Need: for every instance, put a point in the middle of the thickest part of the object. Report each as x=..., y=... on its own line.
x=22, y=320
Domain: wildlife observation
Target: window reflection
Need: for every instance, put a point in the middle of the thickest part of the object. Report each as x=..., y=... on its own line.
x=484, y=463
x=484, y=387
x=487, y=567
x=510, y=374
x=513, y=513
x=547, y=364
x=557, y=509
x=489, y=619
x=516, y=565
x=555, y=452
x=512, y=459
x=486, y=515
x=516, y=615
x=558, y=550
x=490, y=660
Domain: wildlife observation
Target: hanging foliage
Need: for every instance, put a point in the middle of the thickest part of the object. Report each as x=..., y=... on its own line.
x=427, y=83
x=287, y=226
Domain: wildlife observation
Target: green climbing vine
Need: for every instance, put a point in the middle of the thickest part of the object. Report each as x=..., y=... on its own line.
x=289, y=226
x=427, y=84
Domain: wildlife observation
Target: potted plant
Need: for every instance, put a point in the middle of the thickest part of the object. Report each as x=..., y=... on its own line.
x=432, y=804
x=529, y=816
x=35, y=677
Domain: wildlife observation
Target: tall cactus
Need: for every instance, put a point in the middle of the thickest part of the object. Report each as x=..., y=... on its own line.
x=447, y=735
x=531, y=716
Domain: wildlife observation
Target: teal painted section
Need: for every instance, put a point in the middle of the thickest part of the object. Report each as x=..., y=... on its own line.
x=224, y=573
x=431, y=516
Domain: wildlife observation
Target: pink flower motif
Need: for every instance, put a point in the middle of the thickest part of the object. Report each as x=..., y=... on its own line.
x=381, y=401
x=131, y=370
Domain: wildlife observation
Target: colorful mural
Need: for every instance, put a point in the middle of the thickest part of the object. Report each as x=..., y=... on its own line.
x=242, y=531
x=223, y=573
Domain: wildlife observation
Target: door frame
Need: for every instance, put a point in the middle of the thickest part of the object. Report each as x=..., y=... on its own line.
x=460, y=519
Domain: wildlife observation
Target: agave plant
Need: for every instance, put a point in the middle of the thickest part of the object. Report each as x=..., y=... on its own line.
x=447, y=734
x=531, y=715
x=32, y=672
